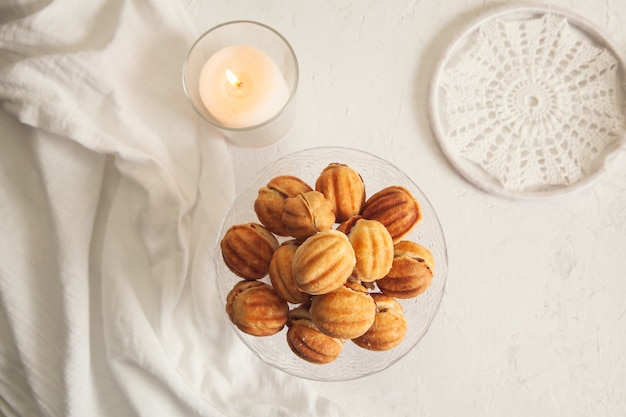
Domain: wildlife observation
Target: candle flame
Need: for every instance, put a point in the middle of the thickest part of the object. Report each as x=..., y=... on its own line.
x=233, y=79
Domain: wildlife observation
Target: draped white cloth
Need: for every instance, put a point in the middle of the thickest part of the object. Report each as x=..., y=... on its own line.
x=112, y=191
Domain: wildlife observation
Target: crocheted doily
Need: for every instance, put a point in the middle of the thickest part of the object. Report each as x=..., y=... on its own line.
x=533, y=102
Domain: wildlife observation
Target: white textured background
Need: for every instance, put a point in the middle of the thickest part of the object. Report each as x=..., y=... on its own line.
x=533, y=319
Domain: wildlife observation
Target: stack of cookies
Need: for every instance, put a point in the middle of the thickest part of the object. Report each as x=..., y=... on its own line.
x=337, y=262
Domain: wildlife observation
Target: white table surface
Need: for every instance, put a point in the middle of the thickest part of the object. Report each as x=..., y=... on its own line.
x=533, y=318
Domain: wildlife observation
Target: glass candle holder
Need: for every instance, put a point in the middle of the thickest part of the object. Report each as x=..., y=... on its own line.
x=242, y=77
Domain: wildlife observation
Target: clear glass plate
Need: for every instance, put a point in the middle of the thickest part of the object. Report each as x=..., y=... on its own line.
x=354, y=362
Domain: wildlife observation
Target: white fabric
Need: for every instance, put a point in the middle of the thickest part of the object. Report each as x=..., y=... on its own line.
x=112, y=192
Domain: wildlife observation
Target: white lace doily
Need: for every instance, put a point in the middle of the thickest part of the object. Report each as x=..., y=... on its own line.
x=528, y=102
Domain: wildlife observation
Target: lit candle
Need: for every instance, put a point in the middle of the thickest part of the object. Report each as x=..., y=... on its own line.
x=242, y=86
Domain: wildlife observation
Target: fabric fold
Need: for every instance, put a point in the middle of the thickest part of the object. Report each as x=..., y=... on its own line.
x=113, y=193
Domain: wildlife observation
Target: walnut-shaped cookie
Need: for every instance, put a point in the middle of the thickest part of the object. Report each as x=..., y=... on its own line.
x=307, y=213
x=256, y=309
x=344, y=187
x=411, y=272
x=323, y=262
x=373, y=248
x=270, y=202
x=346, y=313
x=389, y=328
x=247, y=250
x=396, y=208
x=281, y=274
x=347, y=225
x=308, y=342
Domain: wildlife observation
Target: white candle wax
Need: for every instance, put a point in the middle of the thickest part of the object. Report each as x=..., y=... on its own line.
x=257, y=93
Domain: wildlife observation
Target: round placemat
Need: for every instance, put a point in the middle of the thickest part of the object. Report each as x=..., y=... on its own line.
x=528, y=101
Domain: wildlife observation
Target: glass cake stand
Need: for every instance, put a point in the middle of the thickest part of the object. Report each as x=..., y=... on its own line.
x=353, y=362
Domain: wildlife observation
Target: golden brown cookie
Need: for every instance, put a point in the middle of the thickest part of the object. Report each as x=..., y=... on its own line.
x=307, y=342
x=345, y=313
x=247, y=250
x=256, y=309
x=307, y=214
x=396, y=208
x=344, y=187
x=270, y=202
x=389, y=328
x=411, y=272
x=373, y=248
x=347, y=225
x=323, y=262
x=281, y=274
